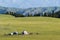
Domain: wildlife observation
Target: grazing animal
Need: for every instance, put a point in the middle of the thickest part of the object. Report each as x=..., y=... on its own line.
x=25, y=33
x=13, y=33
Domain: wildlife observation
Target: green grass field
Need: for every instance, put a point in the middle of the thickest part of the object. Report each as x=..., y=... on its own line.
x=49, y=28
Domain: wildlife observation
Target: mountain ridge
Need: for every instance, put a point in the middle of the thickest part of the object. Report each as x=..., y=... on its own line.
x=3, y=10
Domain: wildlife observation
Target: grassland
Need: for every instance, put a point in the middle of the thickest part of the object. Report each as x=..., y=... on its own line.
x=49, y=28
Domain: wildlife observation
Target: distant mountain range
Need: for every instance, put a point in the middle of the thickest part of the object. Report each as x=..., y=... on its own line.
x=25, y=12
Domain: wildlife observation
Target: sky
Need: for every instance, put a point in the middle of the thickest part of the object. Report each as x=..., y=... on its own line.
x=29, y=3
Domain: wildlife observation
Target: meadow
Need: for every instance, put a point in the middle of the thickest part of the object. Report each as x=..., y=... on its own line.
x=48, y=27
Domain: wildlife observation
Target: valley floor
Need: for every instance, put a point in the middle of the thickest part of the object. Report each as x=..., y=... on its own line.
x=49, y=28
